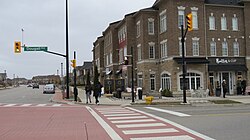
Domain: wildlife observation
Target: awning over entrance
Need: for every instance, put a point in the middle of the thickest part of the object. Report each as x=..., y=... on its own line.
x=227, y=68
x=192, y=60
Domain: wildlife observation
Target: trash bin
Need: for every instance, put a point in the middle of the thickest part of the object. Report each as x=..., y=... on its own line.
x=140, y=94
x=218, y=92
x=119, y=93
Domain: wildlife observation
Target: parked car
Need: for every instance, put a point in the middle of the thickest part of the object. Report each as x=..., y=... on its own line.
x=49, y=88
x=35, y=85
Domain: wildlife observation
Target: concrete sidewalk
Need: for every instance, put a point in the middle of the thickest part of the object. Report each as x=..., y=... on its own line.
x=126, y=102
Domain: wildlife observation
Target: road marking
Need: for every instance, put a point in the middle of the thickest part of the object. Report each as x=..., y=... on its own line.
x=140, y=125
x=169, y=111
x=124, y=118
x=116, y=115
x=9, y=105
x=150, y=131
x=117, y=112
x=174, y=124
x=107, y=128
x=183, y=137
x=112, y=108
x=41, y=105
x=134, y=121
x=56, y=105
x=26, y=105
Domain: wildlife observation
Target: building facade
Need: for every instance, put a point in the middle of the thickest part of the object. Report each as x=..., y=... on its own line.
x=215, y=50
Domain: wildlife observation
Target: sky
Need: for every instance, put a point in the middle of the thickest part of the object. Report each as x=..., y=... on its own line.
x=43, y=23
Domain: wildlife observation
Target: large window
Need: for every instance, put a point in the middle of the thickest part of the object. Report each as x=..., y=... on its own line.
x=139, y=52
x=236, y=48
x=213, y=48
x=193, y=81
x=235, y=23
x=165, y=82
x=211, y=22
x=138, y=28
x=195, y=46
x=152, y=82
x=151, y=25
x=164, y=50
x=223, y=22
x=163, y=21
x=195, y=17
x=140, y=80
x=224, y=48
x=180, y=47
x=151, y=50
x=181, y=16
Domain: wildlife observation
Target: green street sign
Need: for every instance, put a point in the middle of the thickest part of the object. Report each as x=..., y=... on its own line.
x=41, y=48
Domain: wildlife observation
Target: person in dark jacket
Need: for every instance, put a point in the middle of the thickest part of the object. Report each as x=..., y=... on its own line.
x=88, y=90
x=243, y=85
x=224, y=87
x=97, y=92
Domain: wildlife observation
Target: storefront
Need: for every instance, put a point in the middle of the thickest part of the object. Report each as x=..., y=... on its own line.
x=229, y=69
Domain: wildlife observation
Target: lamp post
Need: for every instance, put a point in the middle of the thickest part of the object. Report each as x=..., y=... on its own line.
x=132, y=76
x=67, y=53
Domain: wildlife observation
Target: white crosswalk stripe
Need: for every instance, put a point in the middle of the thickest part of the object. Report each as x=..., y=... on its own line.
x=9, y=105
x=140, y=125
x=41, y=105
x=26, y=105
x=182, y=137
x=134, y=121
x=123, y=118
x=150, y=131
x=29, y=105
x=168, y=111
x=56, y=105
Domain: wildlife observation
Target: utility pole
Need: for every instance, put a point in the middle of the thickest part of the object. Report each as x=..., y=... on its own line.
x=132, y=76
x=67, y=53
x=184, y=71
x=75, y=89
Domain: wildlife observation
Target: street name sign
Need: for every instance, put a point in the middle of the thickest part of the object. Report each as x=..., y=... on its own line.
x=39, y=48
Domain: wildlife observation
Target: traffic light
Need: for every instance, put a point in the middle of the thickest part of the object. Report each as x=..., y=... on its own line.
x=125, y=60
x=17, y=47
x=73, y=63
x=189, y=18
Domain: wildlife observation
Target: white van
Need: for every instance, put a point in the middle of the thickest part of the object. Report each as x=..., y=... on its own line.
x=49, y=88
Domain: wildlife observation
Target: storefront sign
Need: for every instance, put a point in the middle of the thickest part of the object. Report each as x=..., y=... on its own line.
x=225, y=60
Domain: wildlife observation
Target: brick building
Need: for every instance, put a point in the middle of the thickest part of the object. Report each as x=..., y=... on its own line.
x=216, y=49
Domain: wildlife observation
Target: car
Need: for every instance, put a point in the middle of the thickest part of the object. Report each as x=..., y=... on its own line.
x=29, y=85
x=49, y=88
x=35, y=85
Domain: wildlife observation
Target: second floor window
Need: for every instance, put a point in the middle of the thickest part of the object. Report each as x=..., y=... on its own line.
x=224, y=48
x=195, y=17
x=139, y=52
x=164, y=51
x=236, y=48
x=211, y=22
x=213, y=48
x=151, y=50
x=138, y=28
x=235, y=23
x=163, y=22
x=181, y=19
x=195, y=46
x=223, y=22
x=151, y=25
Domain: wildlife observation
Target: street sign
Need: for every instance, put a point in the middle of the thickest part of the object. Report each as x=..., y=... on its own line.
x=40, y=48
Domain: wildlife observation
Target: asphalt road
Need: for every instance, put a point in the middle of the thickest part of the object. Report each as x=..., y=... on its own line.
x=218, y=122
x=24, y=94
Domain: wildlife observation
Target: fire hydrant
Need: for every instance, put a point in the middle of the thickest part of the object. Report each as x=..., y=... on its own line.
x=149, y=99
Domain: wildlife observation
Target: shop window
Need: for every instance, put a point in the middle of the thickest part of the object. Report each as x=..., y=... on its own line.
x=193, y=81
x=165, y=82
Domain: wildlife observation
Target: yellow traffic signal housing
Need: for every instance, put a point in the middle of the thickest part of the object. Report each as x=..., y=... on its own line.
x=189, y=18
x=17, y=47
x=73, y=63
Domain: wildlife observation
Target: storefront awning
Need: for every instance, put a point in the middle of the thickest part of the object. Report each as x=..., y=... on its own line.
x=227, y=68
x=192, y=60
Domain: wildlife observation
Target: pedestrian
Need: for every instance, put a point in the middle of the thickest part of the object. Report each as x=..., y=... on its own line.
x=97, y=92
x=239, y=86
x=224, y=87
x=243, y=85
x=88, y=91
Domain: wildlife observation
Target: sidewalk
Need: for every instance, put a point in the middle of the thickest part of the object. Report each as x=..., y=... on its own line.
x=126, y=102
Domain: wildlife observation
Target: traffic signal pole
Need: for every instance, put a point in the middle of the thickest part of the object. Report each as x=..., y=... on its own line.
x=184, y=71
x=67, y=52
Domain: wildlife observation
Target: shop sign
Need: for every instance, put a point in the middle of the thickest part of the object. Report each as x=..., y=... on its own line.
x=225, y=60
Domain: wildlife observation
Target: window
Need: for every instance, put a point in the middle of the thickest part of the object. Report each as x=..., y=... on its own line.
x=193, y=81
x=195, y=17
x=163, y=22
x=224, y=48
x=121, y=55
x=236, y=48
x=140, y=80
x=181, y=16
x=180, y=47
x=211, y=22
x=213, y=48
x=110, y=58
x=138, y=28
x=164, y=50
x=122, y=34
x=151, y=24
x=165, y=82
x=195, y=46
x=152, y=82
x=223, y=22
x=151, y=50
x=235, y=23
x=139, y=52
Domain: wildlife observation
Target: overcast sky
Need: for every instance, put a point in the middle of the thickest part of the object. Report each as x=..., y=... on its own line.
x=43, y=22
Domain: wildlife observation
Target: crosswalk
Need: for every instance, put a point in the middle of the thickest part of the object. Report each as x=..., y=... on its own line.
x=131, y=124
x=30, y=105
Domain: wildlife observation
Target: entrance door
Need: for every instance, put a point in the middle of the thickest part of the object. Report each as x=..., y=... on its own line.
x=225, y=76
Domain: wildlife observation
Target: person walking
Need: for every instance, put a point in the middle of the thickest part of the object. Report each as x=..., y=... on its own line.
x=243, y=85
x=224, y=87
x=97, y=92
x=88, y=90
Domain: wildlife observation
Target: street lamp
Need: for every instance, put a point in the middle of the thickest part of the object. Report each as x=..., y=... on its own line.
x=67, y=52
